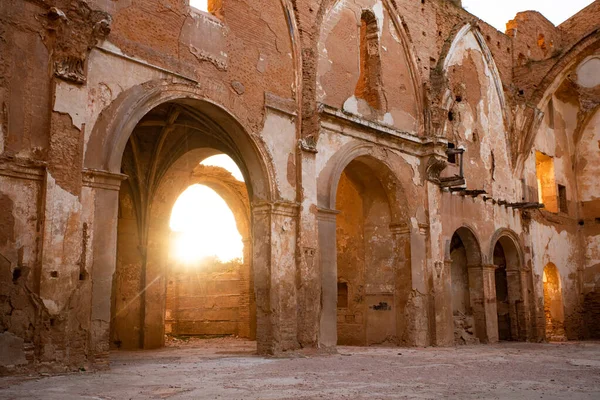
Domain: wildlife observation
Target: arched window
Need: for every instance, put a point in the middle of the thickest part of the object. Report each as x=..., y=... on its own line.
x=368, y=87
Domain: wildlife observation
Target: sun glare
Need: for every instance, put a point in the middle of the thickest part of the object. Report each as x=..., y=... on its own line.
x=224, y=161
x=203, y=226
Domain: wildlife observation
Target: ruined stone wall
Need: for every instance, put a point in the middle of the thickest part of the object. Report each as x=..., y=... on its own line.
x=589, y=195
x=274, y=84
x=206, y=299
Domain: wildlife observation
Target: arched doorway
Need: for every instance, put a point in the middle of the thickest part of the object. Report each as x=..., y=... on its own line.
x=366, y=309
x=467, y=288
x=502, y=302
x=157, y=125
x=553, y=304
x=510, y=289
x=209, y=288
x=364, y=245
x=156, y=292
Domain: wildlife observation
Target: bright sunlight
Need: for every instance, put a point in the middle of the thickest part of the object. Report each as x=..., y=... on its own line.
x=204, y=227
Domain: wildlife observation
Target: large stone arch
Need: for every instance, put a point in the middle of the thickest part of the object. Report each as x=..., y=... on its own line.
x=378, y=162
x=469, y=109
x=328, y=179
x=442, y=96
x=325, y=23
x=105, y=146
x=530, y=117
x=220, y=111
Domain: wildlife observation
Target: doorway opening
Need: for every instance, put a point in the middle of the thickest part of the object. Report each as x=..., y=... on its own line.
x=370, y=295
x=207, y=290
x=502, y=303
x=184, y=244
x=553, y=305
x=511, y=283
x=466, y=290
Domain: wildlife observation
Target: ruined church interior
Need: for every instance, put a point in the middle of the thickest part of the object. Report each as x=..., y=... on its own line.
x=298, y=199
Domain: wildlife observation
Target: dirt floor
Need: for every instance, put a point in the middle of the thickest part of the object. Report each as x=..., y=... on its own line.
x=227, y=369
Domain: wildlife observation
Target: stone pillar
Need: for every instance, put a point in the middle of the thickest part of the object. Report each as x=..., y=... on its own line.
x=309, y=274
x=247, y=326
x=418, y=322
x=274, y=264
x=103, y=189
x=328, y=262
x=482, y=292
x=522, y=316
x=490, y=305
x=154, y=290
x=442, y=298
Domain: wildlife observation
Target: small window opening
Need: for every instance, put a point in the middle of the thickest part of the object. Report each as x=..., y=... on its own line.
x=342, y=296
x=369, y=81
x=551, y=114
x=16, y=274
x=450, y=116
x=452, y=159
x=544, y=168
x=562, y=199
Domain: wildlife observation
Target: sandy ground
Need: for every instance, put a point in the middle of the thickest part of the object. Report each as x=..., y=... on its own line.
x=227, y=369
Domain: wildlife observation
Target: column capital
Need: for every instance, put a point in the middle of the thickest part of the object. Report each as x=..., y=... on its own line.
x=284, y=208
x=490, y=266
x=326, y=214
x=102, y=179
x=481, y=266
x=22, y=169
x=400, y=229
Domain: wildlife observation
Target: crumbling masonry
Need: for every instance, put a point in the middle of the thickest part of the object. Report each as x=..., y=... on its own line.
x=413, y=176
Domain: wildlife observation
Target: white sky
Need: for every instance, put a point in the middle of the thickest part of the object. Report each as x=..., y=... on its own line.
x=498, y=12
x=199, y=4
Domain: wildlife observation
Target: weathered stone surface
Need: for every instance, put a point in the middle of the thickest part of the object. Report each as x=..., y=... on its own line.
x=395, y=155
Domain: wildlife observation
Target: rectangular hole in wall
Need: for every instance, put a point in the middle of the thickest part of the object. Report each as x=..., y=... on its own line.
x=551, y=114
x=452, y=157
x=562, y=199
x=544, y=168
x=342, y=297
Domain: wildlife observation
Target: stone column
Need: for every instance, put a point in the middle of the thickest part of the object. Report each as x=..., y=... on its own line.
x=102, y=188
x=518, y=298
x=402, y=277
x=309, y=274
x=442, y=298
x=328, y=262
x=482, y=293
x=490, y=306
x=247, y=325
x=154, y=292
x=274, y=264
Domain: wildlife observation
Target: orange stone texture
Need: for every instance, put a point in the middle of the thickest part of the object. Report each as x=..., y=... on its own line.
x=413, y=177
